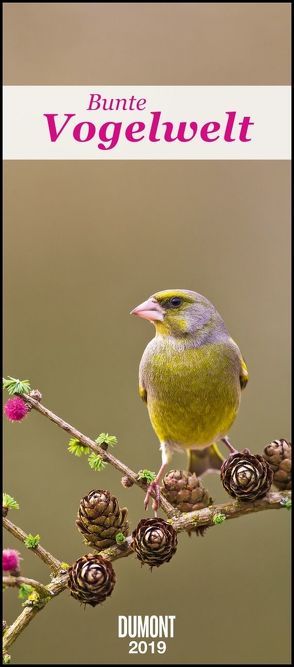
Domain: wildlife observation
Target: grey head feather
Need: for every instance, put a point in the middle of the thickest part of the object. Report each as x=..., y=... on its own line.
x=203, y=322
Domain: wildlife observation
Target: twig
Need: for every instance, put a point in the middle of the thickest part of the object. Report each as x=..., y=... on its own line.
x=57, y=586
x=206, y=517
x=21, y=622
x=45, y=555
x=18, y=581
x=105, y=455
x=187, y=521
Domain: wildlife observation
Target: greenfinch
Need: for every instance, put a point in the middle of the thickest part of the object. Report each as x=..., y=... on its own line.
x=191, y=376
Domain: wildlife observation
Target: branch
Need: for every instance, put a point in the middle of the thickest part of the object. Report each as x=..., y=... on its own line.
x=18, y=581
x=14, y=630
x=105, y=455
x=188, y=521
x=57, y=586
x=206, y=517
x=45, y=555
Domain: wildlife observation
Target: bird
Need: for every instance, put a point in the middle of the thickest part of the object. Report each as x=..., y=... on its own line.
x=191, y=376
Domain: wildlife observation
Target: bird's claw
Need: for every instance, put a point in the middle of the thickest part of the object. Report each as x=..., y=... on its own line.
x=153, y=490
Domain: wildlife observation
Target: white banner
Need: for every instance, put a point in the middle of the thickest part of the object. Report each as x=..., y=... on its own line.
x=146, y=122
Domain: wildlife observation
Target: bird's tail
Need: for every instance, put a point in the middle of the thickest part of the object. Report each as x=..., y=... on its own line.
x=205, y=460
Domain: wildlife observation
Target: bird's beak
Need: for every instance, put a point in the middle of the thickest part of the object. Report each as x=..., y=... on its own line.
x=149, y=310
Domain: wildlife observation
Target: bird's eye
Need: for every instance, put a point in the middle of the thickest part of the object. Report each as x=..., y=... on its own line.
x=175, y=301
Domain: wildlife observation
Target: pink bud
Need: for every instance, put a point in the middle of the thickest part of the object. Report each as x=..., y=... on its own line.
x=10, y=560
x=15, y=409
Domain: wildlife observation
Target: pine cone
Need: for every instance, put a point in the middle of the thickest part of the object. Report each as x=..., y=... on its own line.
x=185, y=491
x=91, y=579
x=154, y=541
x=279, y=456
x=246, y=476
x=127, y=482
x=100, y=519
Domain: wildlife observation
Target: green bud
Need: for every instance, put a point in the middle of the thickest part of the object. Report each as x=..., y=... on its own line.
x=218, y=518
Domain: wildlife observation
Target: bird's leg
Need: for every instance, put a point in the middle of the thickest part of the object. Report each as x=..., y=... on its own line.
x=227, y=442
x=154, y=487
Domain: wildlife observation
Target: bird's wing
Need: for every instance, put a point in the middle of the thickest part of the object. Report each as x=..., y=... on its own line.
x=142, y=383
x=243, y=374
x=143, y=393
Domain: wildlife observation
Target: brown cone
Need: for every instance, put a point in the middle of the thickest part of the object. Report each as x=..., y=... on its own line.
x=246, y=476
x=185, y=491
x=127, y=482
x=100, y=519
x=279, y=456
x=154, y=541
x=91, y=579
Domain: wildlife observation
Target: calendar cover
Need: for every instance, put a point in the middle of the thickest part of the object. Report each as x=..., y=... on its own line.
x=146, y=396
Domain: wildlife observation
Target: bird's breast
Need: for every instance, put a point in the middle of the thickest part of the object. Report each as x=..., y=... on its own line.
x=193, y=393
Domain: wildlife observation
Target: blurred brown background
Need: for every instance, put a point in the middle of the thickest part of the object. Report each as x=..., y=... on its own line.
x=84, y=243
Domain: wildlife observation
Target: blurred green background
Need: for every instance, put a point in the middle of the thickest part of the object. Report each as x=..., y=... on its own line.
x=86, y=242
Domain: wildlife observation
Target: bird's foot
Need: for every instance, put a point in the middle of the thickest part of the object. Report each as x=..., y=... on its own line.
x=228, y=443
x=154, y=491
